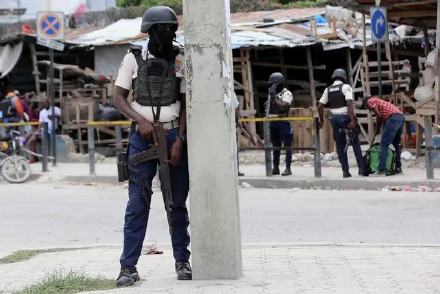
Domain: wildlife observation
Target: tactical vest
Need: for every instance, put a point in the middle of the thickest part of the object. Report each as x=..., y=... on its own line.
x=336, y=99
x=156, y=83
x=274, y=109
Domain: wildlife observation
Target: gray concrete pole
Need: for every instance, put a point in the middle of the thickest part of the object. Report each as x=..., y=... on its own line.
x=215, y=219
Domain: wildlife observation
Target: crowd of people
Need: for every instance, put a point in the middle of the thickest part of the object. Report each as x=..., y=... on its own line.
x=14, y=108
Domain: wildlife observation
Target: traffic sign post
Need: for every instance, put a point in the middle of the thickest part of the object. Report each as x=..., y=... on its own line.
x=379, y=34
x=50, y=27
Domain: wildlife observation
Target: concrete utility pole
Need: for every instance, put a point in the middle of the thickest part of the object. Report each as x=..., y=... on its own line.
x=215, y=219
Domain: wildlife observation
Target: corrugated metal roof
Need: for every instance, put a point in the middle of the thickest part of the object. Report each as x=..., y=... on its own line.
x=127, y=30
x=279, y=14
x=277, y=28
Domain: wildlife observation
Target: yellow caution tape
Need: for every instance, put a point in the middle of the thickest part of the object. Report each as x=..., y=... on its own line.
x=19, y=124
x=109, y=123
x=259, y=119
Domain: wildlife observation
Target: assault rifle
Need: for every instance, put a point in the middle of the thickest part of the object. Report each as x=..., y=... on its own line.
x=159, y=152
x=351, y=135
x=164, y=170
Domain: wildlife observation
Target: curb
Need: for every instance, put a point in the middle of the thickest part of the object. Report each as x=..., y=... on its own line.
x=334, y=184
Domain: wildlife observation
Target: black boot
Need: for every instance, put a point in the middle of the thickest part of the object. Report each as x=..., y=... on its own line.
x=363, y=173
x=275, y=170
x=346, y=175
x=183, y=270
x=128, y=276
x=240, y=174
x=287, y=172
x=397, y=170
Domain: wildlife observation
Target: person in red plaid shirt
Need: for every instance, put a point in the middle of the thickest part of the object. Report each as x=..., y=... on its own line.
x=393, y=120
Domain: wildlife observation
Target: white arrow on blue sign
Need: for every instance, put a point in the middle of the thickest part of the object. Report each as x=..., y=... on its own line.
x=379, y=25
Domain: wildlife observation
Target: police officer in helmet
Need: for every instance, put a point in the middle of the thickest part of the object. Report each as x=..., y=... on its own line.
x=155, y=73
x=280, y=131
x=339, y=98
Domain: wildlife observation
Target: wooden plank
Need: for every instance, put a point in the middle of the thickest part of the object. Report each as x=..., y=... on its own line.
x=367, y=91
x=311, y=77
x=418, y=3
x=251, y=125
x=304, y=67
x=419, y=135
x=426, y=41
x=412, y=14
x=244, y=80
x=349, y=66
x=35, y=71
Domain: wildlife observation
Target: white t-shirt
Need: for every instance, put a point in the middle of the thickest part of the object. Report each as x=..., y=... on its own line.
x=128, y=72
x=44, y=117
x=348, y=93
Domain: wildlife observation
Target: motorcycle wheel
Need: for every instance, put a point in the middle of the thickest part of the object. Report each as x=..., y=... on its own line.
x=15, y=169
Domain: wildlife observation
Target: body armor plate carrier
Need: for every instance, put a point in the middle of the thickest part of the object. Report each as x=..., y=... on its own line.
x=336, y=99
x=156, y=83
x=274, y=109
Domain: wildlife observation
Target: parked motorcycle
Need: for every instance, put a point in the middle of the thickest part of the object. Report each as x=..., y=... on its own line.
x=14, y=168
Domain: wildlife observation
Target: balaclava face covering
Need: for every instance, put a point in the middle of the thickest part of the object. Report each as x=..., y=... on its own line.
x=161, y=43
x=280, y=88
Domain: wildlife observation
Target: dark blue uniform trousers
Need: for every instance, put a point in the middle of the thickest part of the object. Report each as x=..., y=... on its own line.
x=137, y=211
x=341, y=121
x=281, y=131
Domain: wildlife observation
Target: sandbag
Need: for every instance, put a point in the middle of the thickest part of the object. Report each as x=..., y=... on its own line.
x=423, y=93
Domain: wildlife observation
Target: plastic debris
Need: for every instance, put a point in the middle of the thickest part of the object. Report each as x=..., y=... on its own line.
x=246, y=185
x=407, y=155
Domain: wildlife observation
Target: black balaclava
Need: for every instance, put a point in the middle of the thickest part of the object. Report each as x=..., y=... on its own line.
x=161, y=43
x=280, y=88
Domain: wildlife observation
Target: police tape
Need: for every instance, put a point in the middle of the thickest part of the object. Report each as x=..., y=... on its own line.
x=109, y=123
x=264, y=119
x=19, y=124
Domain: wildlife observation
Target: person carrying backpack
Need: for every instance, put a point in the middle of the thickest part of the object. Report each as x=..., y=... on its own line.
x=393, y=121
x=10, y=108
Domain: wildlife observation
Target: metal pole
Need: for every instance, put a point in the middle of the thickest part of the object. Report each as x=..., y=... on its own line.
x=317, y=153
x=268, y=152
x=118, y=138
x=45, y=147
x=379, y=67
x=52, y=103
x=428, y=146
x=91, y=143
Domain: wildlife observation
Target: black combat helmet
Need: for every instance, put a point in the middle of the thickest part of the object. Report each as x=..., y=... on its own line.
x=339, y=74
x=156, y=15
x=276, y=78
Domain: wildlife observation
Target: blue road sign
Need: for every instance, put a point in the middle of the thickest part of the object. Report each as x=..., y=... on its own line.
x=50, y=25
x=378, y=24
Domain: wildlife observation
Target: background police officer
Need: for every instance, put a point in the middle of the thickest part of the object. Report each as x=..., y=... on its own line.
x=339, y=97
x=153, y=71
x=280, y=131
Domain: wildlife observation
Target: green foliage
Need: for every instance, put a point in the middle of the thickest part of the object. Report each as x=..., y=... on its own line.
x=125, y=3
x=253, y=5
x=59, y=282
x=19, y=255
x=22, y=255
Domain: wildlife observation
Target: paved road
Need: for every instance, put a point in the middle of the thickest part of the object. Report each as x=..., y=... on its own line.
x=53, y=215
